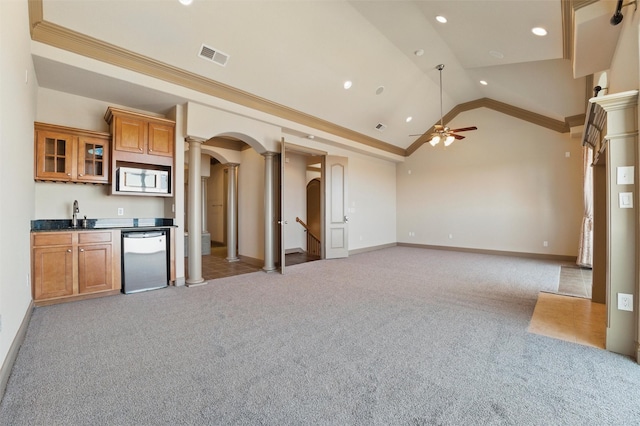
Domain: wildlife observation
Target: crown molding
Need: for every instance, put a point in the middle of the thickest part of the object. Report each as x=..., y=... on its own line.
x=81, y=44
x=63, y=38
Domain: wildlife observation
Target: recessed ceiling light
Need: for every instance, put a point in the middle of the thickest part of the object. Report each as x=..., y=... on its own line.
x=186, y=2
x=496, y=54
x=408, y=119
x=379, y=90
x=441, y=19
x=347, y=84
x=483, y=82
x=539, y=31
x=419, y=52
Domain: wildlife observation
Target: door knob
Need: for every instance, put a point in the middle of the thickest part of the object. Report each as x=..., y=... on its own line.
x=346, y=219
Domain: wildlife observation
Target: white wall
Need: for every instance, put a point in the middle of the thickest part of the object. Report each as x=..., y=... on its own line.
x=54, y=200
x=623, y=74
x=295, y=201
x=508, y=186
x=251, y=205
x=17, y=112
x=371, y=194
x=216, y=203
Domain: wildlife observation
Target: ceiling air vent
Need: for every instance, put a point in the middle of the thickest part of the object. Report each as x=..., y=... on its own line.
x=213, y=55
x=380, y=127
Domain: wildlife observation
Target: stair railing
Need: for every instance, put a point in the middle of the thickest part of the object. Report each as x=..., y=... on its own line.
x=313, y=242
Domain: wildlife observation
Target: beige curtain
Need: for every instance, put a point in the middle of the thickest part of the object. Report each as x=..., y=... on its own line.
x=585, y=251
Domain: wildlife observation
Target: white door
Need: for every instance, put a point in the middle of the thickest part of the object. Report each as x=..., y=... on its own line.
x=336, y=220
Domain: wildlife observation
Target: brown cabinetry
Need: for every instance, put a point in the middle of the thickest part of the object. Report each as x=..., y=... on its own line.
x=140, y=134
x=140, y=140
x=66, y=154
x=74, y=265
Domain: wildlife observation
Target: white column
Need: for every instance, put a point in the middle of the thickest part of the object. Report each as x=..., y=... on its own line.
x=204, y=205
x=269, y=212
x=195, y=211
x=232, y=213
x=623, y=217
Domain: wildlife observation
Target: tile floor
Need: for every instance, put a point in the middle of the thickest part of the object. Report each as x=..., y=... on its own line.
x=570, y=314
x=216, y=266
x=575, y=281
x=573, y=319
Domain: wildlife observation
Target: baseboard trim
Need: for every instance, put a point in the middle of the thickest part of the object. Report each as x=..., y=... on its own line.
x=7, y=366
x=541, y=256
x=293, y=250
x=372, y=248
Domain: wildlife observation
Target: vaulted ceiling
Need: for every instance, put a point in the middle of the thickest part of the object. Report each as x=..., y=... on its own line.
x=292, y=58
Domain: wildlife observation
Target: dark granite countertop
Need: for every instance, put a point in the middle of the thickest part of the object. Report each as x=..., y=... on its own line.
x=42, y=225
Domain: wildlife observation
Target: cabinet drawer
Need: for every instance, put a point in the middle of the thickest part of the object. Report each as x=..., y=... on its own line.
x=94, y=237
x=52, y=239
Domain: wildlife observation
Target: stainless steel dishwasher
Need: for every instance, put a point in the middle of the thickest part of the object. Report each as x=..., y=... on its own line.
x=144, y=260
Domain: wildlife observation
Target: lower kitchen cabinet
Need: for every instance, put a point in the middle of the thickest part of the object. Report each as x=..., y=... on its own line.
x=74, y=265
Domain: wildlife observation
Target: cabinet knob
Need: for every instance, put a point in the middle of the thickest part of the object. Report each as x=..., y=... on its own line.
x=81, y=175
x=140, y=149
x=81, y=250
x=68, y=174
x=68, y=250
x=150, y=150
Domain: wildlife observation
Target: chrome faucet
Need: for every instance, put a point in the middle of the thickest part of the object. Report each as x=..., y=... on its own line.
x=74, y=218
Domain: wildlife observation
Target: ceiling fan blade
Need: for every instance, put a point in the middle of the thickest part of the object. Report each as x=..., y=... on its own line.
x=464, y=129
x=458, y=137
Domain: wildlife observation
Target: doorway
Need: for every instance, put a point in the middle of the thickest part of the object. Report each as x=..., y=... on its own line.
x=301, y=206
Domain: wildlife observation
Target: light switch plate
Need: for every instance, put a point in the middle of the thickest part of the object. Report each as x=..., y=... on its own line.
x=625, y=175
x=626, y=200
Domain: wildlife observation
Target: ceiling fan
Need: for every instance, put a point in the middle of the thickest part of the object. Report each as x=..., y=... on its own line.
x=442, y=132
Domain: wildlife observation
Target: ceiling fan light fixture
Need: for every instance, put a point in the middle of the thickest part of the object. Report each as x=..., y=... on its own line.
x=441, y=19
x=483, y=82
x=449, y=140
x=435, y=140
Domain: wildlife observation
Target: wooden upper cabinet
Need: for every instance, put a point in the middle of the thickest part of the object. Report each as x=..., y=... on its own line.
x=66, y=154
x=129, y=134
x=54, y=152
x=142, y=134
x=93, y=159
x=161, y=139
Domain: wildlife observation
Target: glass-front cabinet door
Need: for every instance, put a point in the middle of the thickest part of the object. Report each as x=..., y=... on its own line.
x=93, y=156
x=65, y=154
x=54, y=156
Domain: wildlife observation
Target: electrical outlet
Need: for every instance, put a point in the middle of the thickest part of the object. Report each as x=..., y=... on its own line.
x=625, y=302
x=120, y=211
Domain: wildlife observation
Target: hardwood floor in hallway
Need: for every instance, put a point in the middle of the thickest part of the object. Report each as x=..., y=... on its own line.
x=216, y=265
